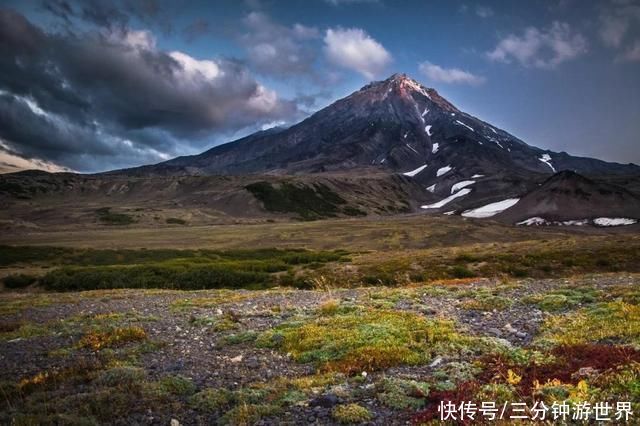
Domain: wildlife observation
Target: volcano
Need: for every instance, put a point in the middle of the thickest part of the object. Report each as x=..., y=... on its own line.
x=395, y=126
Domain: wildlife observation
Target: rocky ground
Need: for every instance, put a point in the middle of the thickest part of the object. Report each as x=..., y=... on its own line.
x=150, y=356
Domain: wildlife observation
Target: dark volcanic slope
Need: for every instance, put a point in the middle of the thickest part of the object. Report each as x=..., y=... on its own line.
x=569, y=196
x=397, y=126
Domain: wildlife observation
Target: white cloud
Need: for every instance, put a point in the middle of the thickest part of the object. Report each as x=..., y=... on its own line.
x=263, y=100
x=449, y=75
x=545, y=48
x=192, y=68
x=354, y=49
x=136, y=39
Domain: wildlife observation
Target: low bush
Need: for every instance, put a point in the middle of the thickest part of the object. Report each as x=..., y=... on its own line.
x=351, y=413
x=108, y=217
x=97, y=340
x=176, y=221
x=202, y=277
x=461, y=272
x=353, y=211
x=308, y=201
x=617, y=322
x=18, y=281
x=401, y=394
x=362, y=340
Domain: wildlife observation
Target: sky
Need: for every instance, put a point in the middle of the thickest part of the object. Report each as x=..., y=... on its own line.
x=91, y=86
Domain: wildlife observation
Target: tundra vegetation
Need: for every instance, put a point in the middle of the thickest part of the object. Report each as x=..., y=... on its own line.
x=249, y=335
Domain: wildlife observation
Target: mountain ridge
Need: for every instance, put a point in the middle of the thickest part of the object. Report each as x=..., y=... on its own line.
x=440, y=159
x=391, y=125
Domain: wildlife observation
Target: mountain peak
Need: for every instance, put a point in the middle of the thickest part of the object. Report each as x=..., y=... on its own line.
x=400, y=84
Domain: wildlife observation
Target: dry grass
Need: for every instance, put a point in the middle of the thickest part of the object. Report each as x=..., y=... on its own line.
x=386, y=233
x=96, y=340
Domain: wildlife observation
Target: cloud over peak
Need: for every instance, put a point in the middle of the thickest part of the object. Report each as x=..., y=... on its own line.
x=354, y=49
x=439, y=74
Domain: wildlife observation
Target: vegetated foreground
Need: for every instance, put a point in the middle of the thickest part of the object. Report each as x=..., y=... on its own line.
x=380, y=354
x=293, y=336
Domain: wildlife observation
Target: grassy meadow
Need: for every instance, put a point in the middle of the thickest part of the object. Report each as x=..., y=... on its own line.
x=327, y=322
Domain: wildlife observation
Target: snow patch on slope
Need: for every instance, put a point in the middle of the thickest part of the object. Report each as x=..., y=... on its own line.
x=447, y=200
x=465, y=125
x=491, y=209
x=431, y=188
x=435, y=148
x=533, y=221
x=443, y=170
x=601, y=221
x=428, y=130
x=458, y=186
x=614, y=221
x=546, y=159
x=416, y=171
x=417, y=87
x=495, y=141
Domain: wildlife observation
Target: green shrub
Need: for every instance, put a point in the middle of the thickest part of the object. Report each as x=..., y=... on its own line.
x=204, y=277
x=177, y=385
x=176, y=269
x=211, y=400
x=309, y=201
x=18, y=280
x=121, y=376
x=239, y=338
x=351, y=413
x=248, y=414
x=362, y=340
x=176, y=221
x=560, y=299
x=108, y=217
x=402, y=394
x=353, y=211
x=461, y=272
x=10, y=255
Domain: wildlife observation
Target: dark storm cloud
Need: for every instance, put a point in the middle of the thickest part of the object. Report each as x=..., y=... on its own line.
x=78, y=95
x=110, y=14
x=277, y=49
x=59, y=8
